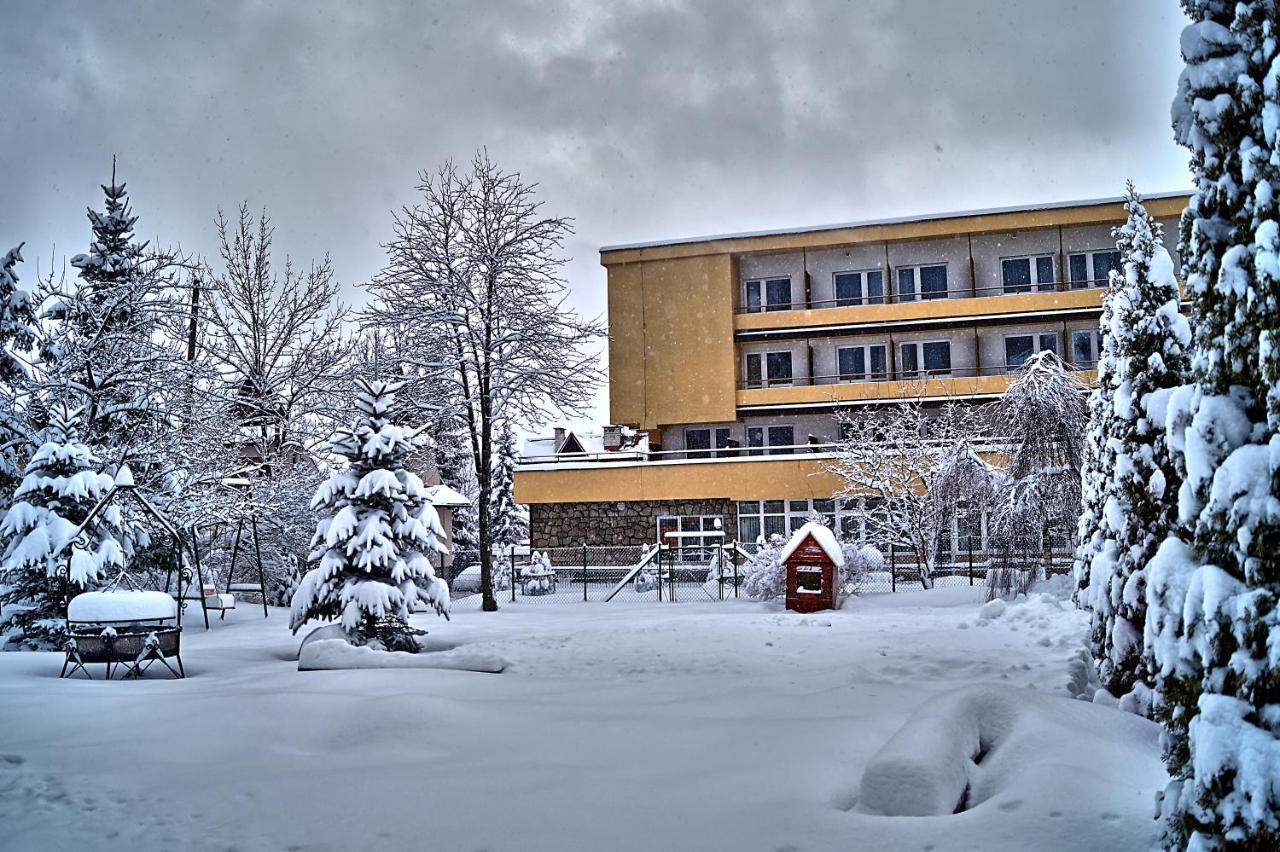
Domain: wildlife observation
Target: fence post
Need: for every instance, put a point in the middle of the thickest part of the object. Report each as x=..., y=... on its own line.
x=720, y=568
x=513, y=574
x=893, y=568
x=970, y=537
x=671, y=590
x=584, y=572
x=658, y=560
x=736, y=579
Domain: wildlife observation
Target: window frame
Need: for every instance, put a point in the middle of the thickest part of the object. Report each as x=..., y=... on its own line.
x=764, y=381
x=917, y=293
x=762, y=287
x=1035, y=285
x=864, y=296
x=868, y=374
x=1095, y=347
x=920, y=371
x=1091, y=269
x=1037, y=346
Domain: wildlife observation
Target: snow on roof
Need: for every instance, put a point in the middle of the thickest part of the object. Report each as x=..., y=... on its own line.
x=825, y=538
x=591, y=443
x=443, y=495
x=897, y=220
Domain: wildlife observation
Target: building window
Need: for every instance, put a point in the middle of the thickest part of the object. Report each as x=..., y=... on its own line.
x=773, y=367
x=862, y=363
x=770, y=440
x=766, y=518
x=934, y=357
x=922, y=282
x=697, y=443
x=1086, y=346
x=768, y=294
x=1024, y=274
x=692, y=548
x=1091, y=268
x=1018, y=348
x=859, y=288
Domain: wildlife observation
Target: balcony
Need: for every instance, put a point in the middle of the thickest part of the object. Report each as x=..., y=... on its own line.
x=952, y=383
x=931, y=307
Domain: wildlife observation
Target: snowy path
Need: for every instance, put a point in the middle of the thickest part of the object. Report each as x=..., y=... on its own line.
x=615, y=727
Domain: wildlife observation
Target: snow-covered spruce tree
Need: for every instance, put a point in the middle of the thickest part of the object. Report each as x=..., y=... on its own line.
x=17, y=334
x=509, y=526
x=373, y=543
x=1039, y=425
x=105, y=346
x=41, y=565
x=1215, y=602
x=1146, y=350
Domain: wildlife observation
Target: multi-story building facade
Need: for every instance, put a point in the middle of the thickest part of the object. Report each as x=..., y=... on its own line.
x=733, y=352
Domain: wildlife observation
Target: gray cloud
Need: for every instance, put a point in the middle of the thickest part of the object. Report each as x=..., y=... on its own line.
x=641, y=119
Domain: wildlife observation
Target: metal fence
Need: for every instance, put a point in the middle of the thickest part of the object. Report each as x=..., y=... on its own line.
x=637, y=573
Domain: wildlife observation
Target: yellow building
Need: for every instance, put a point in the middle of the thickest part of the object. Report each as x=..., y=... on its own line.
x=730, y=354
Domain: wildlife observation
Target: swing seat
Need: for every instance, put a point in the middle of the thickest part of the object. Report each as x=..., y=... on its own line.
x=245, y=587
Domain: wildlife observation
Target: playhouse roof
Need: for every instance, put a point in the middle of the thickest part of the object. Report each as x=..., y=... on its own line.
x=825, y=538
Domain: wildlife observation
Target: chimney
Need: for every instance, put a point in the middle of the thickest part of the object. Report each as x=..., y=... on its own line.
x=612, y=438
x=559, y=430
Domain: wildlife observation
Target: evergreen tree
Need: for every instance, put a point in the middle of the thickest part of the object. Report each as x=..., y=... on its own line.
x=372, y=546
x=509, y=527
x=1214, y=592
x=1146, y=344
x=453, y=463
x=17, y=333
x=17, y=319
x=41, y=565
x=105, y=343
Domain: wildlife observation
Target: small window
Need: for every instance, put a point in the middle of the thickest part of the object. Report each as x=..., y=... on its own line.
x=922, y=282
x=723, y=443
x=1024, y=274
x=768, y=294
x=1018, y=348
x=697, y=443
x=775, y=367
x=934, y=356
x=861, y=363
x=1086, y=347
x=781, y=436
x=1092, y=268
x=859, y=288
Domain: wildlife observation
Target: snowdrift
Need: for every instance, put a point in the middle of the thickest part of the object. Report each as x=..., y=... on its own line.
x=970, y=746
x=326, y=649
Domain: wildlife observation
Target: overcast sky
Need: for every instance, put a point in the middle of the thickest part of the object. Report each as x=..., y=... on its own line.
x=640, y=120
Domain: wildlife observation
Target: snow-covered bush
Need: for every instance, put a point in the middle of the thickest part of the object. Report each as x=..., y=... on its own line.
x=859, y=561
x=764, y=577
x=41, y=564
x=1129, y=470
x=372, y=546
x=1214, y=590
x=539, y=576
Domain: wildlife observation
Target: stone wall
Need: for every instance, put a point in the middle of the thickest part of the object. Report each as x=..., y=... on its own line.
x=572, y=524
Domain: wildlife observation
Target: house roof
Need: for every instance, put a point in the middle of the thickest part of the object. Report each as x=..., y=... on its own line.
x=588, y=443
x=443, y=495
x=825, y=538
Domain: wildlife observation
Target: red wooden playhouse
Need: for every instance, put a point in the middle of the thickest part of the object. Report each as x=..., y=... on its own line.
x=812, y=558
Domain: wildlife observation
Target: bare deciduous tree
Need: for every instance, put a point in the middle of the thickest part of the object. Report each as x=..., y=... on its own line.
x=474, y=271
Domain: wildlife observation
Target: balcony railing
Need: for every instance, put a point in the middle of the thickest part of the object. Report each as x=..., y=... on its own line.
x=906, y=298
x=898, y=375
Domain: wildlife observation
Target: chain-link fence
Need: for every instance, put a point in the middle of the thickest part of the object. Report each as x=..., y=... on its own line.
x=602, y=573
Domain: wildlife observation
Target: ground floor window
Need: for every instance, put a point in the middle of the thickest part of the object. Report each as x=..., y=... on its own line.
x=692, y=548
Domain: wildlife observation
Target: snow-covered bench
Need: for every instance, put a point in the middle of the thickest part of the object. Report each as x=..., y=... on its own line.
x=130, y=628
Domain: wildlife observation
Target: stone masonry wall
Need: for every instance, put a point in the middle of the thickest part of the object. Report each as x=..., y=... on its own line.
x=573, y=524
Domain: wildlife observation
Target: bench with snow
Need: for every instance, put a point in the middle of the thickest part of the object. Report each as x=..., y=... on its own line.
x=133, y=629
x=208, y=597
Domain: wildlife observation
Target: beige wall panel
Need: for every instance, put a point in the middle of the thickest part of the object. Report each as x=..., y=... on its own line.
x=626, y=345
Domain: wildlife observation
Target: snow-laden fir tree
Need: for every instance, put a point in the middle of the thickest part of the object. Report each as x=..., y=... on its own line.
x=105, y=340
x=1145, y=351
x=373, y=544
x=17, y=319
x=509, y=527
x=17, y=334
x=1214, y=593
x=41, y=564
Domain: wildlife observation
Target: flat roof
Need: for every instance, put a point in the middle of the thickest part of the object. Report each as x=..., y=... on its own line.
x=897, y=220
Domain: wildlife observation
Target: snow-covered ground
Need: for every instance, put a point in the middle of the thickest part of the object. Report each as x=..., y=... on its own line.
x=617, y=726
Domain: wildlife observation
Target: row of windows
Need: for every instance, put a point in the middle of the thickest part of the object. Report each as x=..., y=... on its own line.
x=914, y=283
x=701, y=442
x=869, y=362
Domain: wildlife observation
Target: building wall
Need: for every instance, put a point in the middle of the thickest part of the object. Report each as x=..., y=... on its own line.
x=630, y=522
